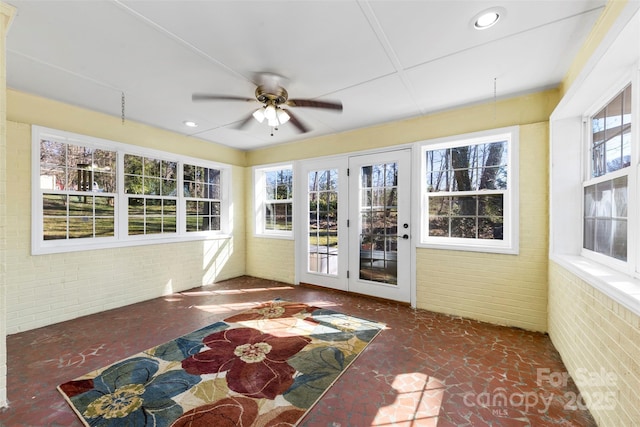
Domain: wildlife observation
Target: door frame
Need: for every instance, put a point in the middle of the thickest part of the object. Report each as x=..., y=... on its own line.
x=402, y=290
x=300, y=211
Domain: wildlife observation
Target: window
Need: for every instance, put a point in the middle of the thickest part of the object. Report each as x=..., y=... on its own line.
x=468, y=202
x=150, y=187
x=274, y=200
x=78, y=186
x=202, y=193
x=606, y=187
x=96, y=193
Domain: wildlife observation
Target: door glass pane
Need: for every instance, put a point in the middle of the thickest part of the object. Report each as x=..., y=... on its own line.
x=323, y=222
x=379, y=223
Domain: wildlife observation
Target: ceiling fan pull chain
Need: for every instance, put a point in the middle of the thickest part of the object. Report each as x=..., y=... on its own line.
x=122, y=106
x=495, y=95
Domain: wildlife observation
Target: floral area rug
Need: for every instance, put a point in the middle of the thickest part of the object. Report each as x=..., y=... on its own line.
x=264, y=367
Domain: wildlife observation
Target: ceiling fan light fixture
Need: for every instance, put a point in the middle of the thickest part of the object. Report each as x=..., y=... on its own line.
x=273, y=122
x=282, y=116
x=259, y=115
x=270, y=112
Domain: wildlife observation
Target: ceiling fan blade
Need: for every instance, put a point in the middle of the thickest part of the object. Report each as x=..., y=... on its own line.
x=210, y=97
x=244, y=122
x=329, y=105
x=297, y=123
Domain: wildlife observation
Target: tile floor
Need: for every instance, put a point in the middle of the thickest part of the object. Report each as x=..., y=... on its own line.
x=425, y=369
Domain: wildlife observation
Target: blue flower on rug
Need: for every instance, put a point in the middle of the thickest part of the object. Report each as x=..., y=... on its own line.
x=187, y=345
x=130, y=393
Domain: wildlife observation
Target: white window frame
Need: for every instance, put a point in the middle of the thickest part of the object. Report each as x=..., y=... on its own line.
x=631, y=265
x=121, y=238
x=614, y=63
x=259, y=188
x=510, y=242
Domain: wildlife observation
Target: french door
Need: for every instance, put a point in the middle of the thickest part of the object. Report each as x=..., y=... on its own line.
x=356, y=229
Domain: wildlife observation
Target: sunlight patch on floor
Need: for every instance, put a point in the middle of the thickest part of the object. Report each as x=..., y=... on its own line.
x=418, y=401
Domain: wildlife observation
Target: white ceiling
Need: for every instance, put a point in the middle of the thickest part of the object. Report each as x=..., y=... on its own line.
x=385, y=60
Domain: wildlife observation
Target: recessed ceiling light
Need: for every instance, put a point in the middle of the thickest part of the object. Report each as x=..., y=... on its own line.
x=488, y=18
x=190, y=124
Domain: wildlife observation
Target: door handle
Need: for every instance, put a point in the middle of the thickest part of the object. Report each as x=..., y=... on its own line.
x=404, y=236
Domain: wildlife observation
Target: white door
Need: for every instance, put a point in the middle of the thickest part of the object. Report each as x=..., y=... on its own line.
x=379, y=225
x=324, y=245
x=354, y=232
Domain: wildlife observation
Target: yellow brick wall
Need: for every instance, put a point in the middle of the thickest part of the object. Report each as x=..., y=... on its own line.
x=6, y=14
x=47, y=289
x=271, y=259
x=595, y=334
x=267, y=258
x=503, y=289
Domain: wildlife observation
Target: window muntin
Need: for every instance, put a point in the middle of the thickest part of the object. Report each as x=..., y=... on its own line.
x=89, y=192
x=150, y=187
x=322, y=197
x=465, y=190
x=605, y=193
x=278, y=203
x=611, y=135
x=202, y=192
x=469, y=193
x=77, y=185
x=273, y=199
x=605, y=217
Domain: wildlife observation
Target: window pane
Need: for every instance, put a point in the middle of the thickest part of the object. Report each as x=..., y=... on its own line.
x=619, y=206
x=611, y=135
x=80, y=227
x=605, y=218
x=136, y=206
x=80, y=206
x=105, y=227
x=54, y=204
x=152, y=167
x=603, y=236
x=132, y=164
x=463, y=227
x=278, y=217
x=55, y=228
x=132, y=184
x=619, y=244
x=491, y=228
x=169, y=187
x=589, y=234
x=464, y=206
x=604, y=197
x=491, y=205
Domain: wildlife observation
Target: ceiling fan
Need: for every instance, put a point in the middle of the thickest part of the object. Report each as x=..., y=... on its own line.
x=273, y=97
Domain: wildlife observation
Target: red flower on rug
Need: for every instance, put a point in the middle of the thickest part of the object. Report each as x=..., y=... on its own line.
x=255, y=363
x=272, y=310
x=228, y=412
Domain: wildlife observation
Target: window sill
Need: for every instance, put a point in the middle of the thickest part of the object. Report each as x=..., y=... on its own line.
x=281, y=236
x=469, y=248
x=620, y=287
x=112, y=244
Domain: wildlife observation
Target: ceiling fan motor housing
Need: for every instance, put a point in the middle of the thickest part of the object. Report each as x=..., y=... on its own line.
x=278, y=98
